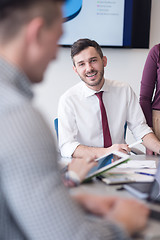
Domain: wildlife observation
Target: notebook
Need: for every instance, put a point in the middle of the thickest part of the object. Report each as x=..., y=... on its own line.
x=148, y=191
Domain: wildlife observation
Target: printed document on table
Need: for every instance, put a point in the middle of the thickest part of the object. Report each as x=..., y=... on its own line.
x=138, y=164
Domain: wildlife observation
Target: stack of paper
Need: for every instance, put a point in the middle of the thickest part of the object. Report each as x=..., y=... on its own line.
x=132, y=171
x=138, y=164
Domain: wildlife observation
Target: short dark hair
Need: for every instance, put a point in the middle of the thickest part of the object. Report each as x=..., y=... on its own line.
x=4, y=4
x=82, y=44
x=15, y=13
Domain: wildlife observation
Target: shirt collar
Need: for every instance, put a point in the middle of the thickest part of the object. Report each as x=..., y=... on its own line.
x=16, y=77
x=89, y=92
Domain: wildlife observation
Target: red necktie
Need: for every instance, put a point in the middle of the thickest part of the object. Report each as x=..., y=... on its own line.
x=106, y=132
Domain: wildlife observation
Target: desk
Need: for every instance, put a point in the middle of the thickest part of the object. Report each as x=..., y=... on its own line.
x=97, y=187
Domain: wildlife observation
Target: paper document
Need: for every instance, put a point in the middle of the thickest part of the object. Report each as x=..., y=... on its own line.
x=127, y=176
x=138, y=164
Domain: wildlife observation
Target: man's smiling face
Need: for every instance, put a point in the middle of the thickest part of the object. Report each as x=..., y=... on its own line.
x=90, y=67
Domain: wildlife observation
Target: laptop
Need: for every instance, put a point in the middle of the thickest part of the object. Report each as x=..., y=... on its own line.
x=149, y=192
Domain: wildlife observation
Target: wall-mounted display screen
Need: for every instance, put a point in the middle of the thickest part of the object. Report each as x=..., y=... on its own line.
x=112, y=23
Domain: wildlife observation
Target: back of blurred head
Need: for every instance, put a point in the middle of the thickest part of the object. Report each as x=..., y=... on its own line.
x=29, y=32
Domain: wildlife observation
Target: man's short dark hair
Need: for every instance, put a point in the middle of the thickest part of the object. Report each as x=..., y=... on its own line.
x=15, y=13
x=4, y=4
x=82, y=44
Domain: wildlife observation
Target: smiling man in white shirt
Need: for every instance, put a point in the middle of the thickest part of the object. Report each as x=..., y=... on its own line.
x=79, y=114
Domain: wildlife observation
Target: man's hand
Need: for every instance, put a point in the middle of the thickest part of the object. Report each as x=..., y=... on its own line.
x=120, y=147
x=130, y=213
x=96, y=204
x=149, y=152
x=81, y=166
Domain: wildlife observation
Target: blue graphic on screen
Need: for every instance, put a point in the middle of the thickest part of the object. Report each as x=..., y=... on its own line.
x=71, y=9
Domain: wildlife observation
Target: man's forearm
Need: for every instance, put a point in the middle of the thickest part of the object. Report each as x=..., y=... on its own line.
x=89, y=152
x=151, y=142
x=95, y=152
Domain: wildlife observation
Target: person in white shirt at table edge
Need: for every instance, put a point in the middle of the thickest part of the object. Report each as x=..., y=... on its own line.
x=80, y=115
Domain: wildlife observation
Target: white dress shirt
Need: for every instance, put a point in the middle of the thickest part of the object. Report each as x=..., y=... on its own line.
x=79, y=116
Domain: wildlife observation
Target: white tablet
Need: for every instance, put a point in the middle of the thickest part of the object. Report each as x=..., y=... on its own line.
x=107, y=162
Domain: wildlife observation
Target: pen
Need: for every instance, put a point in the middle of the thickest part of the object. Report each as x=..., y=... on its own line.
x=135, y=143
x=148, y=174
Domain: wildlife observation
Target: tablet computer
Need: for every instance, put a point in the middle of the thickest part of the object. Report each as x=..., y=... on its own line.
x=106, y=163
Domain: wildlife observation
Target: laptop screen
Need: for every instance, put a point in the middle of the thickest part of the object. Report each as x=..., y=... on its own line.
x=154, y=194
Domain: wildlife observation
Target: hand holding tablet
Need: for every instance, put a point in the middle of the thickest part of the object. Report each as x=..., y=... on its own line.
x=107, y=162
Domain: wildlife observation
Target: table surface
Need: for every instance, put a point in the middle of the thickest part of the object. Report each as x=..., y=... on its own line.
x=152, y=231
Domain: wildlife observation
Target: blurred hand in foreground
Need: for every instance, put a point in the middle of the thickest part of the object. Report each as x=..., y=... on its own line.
x=129, y=213
x=81, y=166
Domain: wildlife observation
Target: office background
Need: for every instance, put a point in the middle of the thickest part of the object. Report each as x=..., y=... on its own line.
x=123, y=65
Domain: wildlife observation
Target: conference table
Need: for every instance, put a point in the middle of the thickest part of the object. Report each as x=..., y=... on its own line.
x=152, y=230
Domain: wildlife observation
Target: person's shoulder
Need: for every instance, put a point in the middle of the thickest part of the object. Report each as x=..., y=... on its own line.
x=155, y=50
x=156, y=47
x=74, y=90
x=119, y=87
x=117, y=84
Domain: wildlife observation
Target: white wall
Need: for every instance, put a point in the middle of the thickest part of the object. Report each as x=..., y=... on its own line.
x=123, y=65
